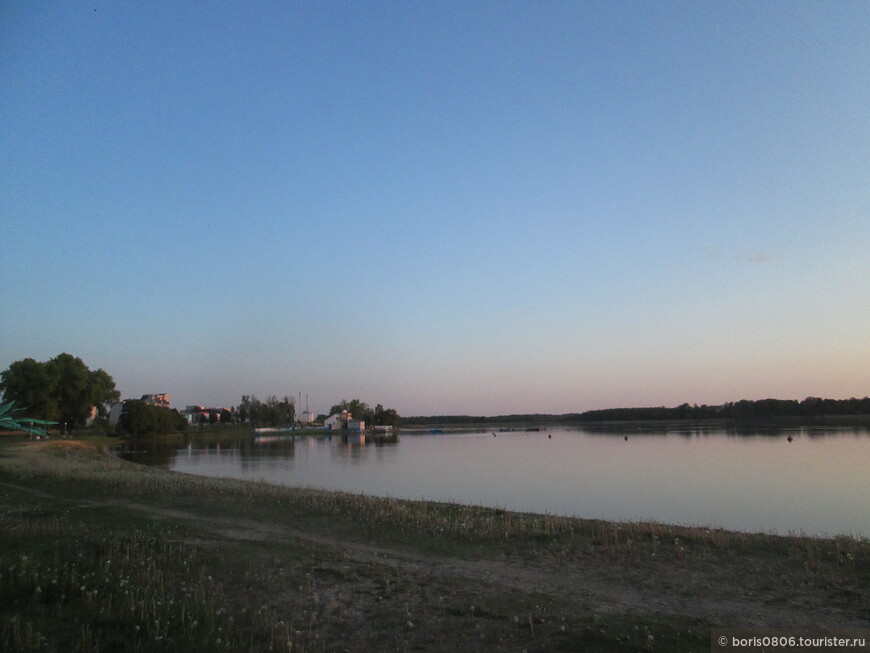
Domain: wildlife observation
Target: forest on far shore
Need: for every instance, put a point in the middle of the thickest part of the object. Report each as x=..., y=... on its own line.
x=761, y=410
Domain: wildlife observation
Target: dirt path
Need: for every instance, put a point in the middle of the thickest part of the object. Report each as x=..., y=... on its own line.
x=691, y=590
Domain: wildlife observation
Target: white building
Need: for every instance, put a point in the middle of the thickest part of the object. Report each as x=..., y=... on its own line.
x=343, y=422
x=306, y=417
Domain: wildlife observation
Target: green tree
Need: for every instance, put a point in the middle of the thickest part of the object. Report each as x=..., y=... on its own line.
x=272, y=412
x=357, y=409
x=26, y=382
x=62, y=389
x=142, y=420
x=101, y=391
x=69, y=377
x=287, y=410
x=376, y=416
x=385, y=416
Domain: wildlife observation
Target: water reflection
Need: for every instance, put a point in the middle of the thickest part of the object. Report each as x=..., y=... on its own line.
x=250, y=449
x=807, y=479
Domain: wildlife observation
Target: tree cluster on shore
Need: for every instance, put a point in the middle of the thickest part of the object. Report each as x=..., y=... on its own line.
x=61, y=390
x=141, y=420
x=377, y=416
x=65, y=391
x=272, y=412
x=739, y=411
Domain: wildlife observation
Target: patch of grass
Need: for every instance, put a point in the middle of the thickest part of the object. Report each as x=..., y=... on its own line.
x=74, y=580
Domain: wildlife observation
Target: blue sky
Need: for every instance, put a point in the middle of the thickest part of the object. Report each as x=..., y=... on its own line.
x=443, y=207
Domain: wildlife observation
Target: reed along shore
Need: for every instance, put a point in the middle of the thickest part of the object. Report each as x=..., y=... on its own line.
x=99, y=554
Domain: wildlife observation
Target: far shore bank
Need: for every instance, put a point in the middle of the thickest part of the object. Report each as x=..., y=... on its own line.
x=105, y=554
x=516, y=423
x=833, y=421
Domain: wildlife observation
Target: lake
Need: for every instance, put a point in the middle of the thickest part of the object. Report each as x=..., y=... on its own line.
x=817, y=484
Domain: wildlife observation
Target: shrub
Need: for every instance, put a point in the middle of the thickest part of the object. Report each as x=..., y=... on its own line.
x=142, y=420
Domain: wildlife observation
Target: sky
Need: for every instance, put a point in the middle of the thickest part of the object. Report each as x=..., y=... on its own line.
x=443, y=207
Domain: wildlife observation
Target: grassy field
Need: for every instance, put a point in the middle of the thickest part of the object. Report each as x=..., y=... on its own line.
x=98, y=554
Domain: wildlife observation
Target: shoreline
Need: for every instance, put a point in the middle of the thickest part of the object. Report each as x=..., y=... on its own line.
x=840, y=421
x=352, y=572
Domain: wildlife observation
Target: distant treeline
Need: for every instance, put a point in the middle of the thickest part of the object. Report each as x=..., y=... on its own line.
x=761, y=409
x=461, y=420
x=745, y=410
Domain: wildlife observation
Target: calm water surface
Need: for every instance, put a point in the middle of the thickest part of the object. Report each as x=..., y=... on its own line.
x=819, y=483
